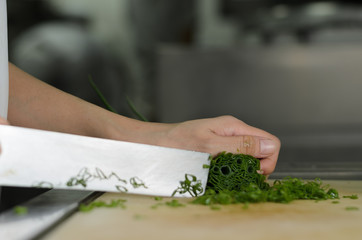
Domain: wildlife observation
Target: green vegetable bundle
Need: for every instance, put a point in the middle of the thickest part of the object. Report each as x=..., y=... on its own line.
x=234, y=178
x=234, y=172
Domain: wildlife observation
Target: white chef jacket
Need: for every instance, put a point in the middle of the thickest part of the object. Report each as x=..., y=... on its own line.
x=4, y=67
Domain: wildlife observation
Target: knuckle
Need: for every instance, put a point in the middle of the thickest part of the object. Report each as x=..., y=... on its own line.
x=228, y=118
x=248, y=145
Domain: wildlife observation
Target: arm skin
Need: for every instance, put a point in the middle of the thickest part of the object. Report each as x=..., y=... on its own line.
x=35, y=104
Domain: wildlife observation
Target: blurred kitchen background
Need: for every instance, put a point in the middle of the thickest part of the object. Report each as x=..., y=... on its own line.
x=293, y=68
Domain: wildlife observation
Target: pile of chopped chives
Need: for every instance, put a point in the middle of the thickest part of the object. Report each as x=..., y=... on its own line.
x=234, y=178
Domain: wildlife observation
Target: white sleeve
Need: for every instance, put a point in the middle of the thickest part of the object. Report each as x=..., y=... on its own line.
x=4, y=68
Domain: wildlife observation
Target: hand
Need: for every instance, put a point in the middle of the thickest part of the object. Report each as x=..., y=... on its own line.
x=2, y=122
x=225, y=133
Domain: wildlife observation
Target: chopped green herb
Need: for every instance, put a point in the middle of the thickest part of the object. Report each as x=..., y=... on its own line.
x=74, y=182
x=100, y=95
x=134, y=110
x=109, y=107
x=138, y=217
x=234, y=178
x=174, y=203
x=246, y=206
x=205, y=166
x=354, y=196
x=191, y=185
x=333, y=193
x=155, y=206
x=136, y=182
x=122, y=189
x=215, y=207
x=100, y=204
x=352, y=208
x=335, y=202
x=20, y=210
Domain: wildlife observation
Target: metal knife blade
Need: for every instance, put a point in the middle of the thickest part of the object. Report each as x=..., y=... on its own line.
x=38, y=158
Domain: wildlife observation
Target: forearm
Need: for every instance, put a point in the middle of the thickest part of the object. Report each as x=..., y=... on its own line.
x=35, y=104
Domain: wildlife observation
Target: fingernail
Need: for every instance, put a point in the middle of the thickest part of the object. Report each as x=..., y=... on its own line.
x=267, y=146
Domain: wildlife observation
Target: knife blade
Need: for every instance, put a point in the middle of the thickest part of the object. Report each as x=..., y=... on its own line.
x=39, y=158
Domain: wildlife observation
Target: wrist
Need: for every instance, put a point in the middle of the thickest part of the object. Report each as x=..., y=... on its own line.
x=122, y=128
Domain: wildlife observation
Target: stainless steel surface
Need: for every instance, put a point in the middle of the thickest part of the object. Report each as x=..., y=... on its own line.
x=34, y=158
x=43, y=212
x=327, y=156
x=307, y=95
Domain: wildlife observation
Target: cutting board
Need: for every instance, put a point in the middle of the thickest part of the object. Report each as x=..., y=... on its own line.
x=302, y=219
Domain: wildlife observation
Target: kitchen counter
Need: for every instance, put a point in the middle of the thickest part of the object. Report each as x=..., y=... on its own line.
x=302, y=219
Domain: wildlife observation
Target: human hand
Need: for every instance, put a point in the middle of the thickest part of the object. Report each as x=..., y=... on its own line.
x=225, y=133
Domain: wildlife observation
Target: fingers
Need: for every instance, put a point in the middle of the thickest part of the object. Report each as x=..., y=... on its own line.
x=256, y=146
x=235, y=136
x=266, y=149
x=259, y=147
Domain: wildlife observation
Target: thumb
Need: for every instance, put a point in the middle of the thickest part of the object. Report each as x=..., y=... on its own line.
x=259, y=147
x=266, y=149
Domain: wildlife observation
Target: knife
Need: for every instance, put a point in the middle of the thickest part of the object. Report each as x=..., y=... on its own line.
x=45, y=159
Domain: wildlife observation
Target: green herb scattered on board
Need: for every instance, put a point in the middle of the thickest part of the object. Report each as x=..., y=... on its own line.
x=233, y=178
x=101, y=204
x=20, y=210
x=215, y=207
x=352, y=208
x=174, y=203
x=354, y=196
x=155, y=206
x=138, y=217
x=246, y=206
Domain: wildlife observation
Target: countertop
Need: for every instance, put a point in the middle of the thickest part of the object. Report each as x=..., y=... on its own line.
x=301, y=219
